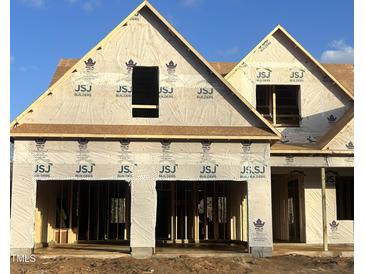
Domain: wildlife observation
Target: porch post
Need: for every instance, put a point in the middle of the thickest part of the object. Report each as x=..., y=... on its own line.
x=324, y=209
x=143, y=217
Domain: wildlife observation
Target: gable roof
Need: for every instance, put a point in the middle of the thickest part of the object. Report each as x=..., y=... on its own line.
x=145, y=4
x=291, y=38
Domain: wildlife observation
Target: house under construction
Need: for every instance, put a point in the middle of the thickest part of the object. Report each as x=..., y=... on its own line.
x=143, y=141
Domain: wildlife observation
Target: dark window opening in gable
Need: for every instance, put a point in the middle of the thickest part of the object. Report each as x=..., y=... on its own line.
x=279, y=103
x=145, y=92
x=345, y=197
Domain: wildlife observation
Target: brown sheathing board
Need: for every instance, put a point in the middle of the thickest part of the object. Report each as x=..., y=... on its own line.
x=298, y=149
x=223, y=68
x=63, y=66
x=131, y=131
x=344, y=73
x=280, y=146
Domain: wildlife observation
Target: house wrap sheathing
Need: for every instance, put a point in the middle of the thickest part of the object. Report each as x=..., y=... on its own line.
x=208, y=132
x=324, y=137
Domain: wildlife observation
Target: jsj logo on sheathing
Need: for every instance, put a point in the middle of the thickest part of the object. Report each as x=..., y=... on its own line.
x=130, y=64
x=205, y=93
x=168, y=167
x=264, y=45
x=40, y=144
x=85, y=170
x=124, y=91
x=83, y=90
x=171, y=66
x=43, y=165
x=43, y=169
x=126, y=170
x=259, y=225
x=83, y=144
x=252, y=172
x=350, y=145
x=334, y=226
x=168, y=171
x=206, y=147
x=208, y=168
x=311, y=139
x=171, y=76
x=135, y=17
x=208, y=171
x=258, y=234
x=331, y=119
x=126, y=167
x=85, y=166
x=89, y=64
x=296, y=75
x=263, y=74
x=166, y=92
x=246, y=148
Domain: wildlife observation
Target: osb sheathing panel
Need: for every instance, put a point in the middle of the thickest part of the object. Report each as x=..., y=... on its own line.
x=344, y=140
x=321, y=100
x=189, y=93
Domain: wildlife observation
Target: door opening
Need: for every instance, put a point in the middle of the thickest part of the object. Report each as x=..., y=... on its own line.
x=287, y=208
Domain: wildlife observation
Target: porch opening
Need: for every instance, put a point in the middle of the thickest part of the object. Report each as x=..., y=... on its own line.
x=70, y=212
x=288, y=208
x=201, y=212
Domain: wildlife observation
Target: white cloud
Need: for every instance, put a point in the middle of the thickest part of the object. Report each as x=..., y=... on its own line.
x=338, y=53
x=90, y=5
x=34, y=3
x=228, y=52
x=24, y=68
x=86, y=5
x=191, y=3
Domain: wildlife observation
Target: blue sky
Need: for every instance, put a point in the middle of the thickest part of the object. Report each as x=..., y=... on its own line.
x=43, y=31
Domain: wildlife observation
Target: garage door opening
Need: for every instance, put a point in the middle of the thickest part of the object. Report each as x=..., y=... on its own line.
x=201, y=212
x=74, y=212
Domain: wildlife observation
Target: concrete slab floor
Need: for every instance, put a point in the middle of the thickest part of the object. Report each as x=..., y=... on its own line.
x=201, y=250
x=100, y=251
x=104, y=251
x=315, y=250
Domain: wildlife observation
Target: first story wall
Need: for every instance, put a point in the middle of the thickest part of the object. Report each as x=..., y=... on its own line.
x=339, y=231
x=141, y=164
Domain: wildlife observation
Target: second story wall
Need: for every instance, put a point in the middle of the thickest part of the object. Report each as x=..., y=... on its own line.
x=279, y=61
x=99, y=91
